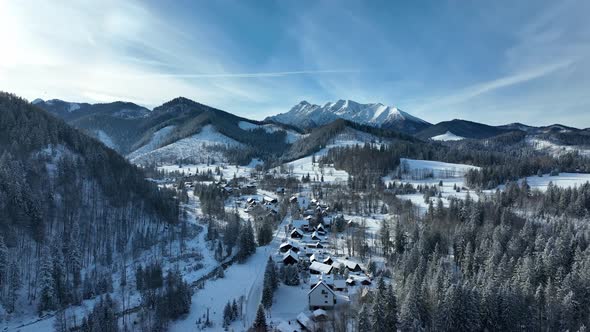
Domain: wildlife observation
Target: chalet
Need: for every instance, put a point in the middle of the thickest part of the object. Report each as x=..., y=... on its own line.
x=351, y=266
x=290, y=258
x=251, y=201
x=316, y=245
x=286, y=246
x=350, y=282
x=293, y=199
x=320, y=228
x=306, y=323
x=296, y=233
x=340, y=285
x=315, y=236
x=328, y=260
x=319, y=268
x=301, y=224
x=327, y=278
x=320, y=315
x=321, y=296
x=269, y=200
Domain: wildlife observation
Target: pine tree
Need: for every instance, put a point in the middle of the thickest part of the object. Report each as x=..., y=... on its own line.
x=3, y=261
x=391, y=309
x=260, y=321
x=227, y=315
x=364, y=321
x=47, y=297
x=14, y=285
x=378, y=322
x=246, y=244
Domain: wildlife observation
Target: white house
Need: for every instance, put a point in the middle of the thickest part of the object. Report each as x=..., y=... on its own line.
x=321, y=297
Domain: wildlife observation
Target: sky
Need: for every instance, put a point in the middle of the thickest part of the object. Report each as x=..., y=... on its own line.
x=495, y=62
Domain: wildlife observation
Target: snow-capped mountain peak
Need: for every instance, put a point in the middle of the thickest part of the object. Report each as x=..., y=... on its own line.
x=305, y=115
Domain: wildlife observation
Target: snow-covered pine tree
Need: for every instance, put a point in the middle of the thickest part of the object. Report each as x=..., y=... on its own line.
x=47, y=295
x=260, y=321
x=364, y=320
x=246, y=243
x=3, y=262
x=14, y=285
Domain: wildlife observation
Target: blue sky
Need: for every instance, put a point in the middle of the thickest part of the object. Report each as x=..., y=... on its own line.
x=493, y=61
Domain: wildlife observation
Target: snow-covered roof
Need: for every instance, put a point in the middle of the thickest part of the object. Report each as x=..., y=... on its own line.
x=322, y=284
x=292, y=254
x=321, y=267
x=320, y=313
x=299, y=223
x=340, y=283
x=305, y=321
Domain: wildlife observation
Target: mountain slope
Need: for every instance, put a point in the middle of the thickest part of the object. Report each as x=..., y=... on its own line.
x=65, y=196
x=461, y=128
x=306, y=115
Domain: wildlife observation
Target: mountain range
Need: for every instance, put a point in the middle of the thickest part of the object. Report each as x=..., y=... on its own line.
x=306, y=115
x=187, y=131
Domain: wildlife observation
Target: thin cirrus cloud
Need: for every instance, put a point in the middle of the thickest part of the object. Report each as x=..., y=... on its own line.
x=437, y=61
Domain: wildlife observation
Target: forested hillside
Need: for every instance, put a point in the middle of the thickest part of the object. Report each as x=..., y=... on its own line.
x=69, y=208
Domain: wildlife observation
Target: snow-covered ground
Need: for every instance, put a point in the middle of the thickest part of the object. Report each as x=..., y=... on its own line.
x=429, y=173
x=448, y=136
x=227, y=170
x=304, y=166
x=556, y=149
x=291, y=137
x=563, y=180
x=105, y=139
x=157, y=139
x=201, y=145
x=242, y=282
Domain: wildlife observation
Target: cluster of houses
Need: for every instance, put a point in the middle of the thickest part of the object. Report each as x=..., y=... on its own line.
x=306, y=246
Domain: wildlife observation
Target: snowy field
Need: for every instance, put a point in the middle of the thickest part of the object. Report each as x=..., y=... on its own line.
x=448, y=136
x=195, y=146
x=292, y=136
x=556, y=149
x=304, y=166
x=227, y=170
x=563, y=180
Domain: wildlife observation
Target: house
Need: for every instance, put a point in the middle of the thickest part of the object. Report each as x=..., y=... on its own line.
x=290, y=258
x=251, y=201
x=306, y=323
x=316, y=245
x=351, y=266
x=321, y=296
x=280, y=190
x=293, y=199
x=319, y=268
x=340, y=285
x=301, y=224
x=286, y=246
x=315, y=236
x=328, y=260
x=269, y=200
x=320, y=228
x=296, y=233
x=320, y=315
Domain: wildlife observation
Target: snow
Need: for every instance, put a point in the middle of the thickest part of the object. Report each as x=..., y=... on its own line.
x=200, y=145
x=563, y=180
x=291, y=137
x=73, y=107
x=438, y=169
x=448, y=136
x=556, y=149
x=157, y=139
x=37, y=101
x=241, y=281
x=105, y=139
x=371, y=114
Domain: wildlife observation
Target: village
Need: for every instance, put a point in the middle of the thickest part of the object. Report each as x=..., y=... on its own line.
x=317, y=275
